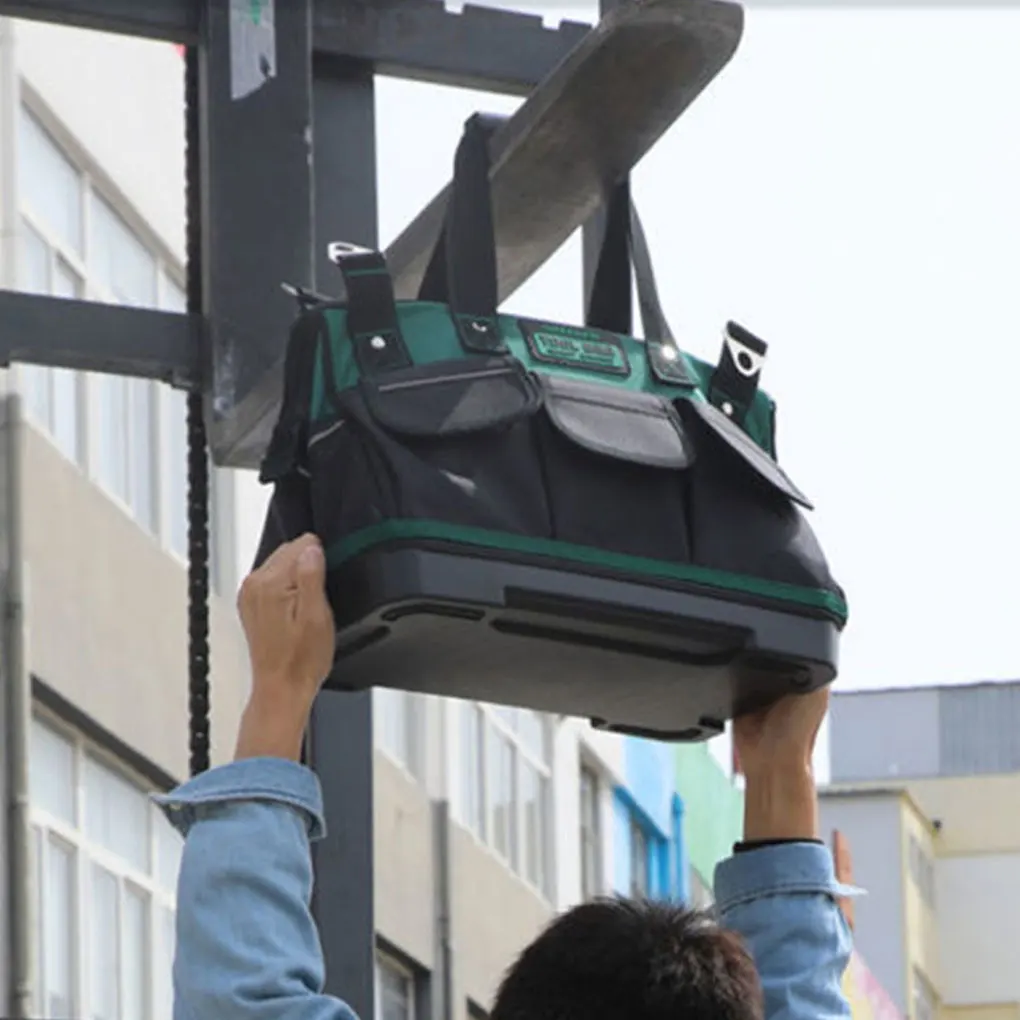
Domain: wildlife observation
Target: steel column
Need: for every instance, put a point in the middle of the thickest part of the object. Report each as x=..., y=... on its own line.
x=341, y=744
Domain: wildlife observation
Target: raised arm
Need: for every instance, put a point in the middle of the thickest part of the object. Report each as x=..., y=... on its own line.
x=247, y=945
x=779, y=890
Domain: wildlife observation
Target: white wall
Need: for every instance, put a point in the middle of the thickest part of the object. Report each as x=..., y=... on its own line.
x=873, y=827
x=979, y=928
x=123, y=100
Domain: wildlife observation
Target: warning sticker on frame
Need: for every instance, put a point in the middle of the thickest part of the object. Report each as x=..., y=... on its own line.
x=575, y=347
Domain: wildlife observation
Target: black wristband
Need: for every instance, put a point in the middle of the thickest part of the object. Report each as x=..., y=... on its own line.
x=758, y=844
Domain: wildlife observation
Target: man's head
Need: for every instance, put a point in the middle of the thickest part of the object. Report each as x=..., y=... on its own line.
x=631, y=960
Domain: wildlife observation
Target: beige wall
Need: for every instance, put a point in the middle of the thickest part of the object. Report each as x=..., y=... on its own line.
x=404, y=862
x=494, y=916
x=106, y=611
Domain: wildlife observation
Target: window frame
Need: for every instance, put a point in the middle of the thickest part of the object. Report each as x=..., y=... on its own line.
x=158, y=397
x=411, y=757
x=88, y=853
x=590, y=837
x=494, y=725
x=388, y=962
x=922, y=870
x=639, y=838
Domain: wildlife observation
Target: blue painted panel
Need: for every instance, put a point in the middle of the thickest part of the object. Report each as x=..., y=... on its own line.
x=621, y=845
x=650, y=777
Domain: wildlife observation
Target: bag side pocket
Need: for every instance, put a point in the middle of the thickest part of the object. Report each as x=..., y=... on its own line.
x=743, y=508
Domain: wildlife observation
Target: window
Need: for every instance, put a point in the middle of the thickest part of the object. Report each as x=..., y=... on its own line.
x=51, y=394
x=106, y=864
x=400, y=727
x=640, y=852
x=922, y=871
x=506, y=767
x=50, y=185
x=591, y=835
x=121, y=266
x=923, y=998
x=129, y=435
x=394, y=992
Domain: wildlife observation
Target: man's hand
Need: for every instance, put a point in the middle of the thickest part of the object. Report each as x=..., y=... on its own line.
x=775, y=747
x=291, y=634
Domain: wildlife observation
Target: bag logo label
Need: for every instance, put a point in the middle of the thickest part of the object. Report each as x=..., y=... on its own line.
x=574, y=347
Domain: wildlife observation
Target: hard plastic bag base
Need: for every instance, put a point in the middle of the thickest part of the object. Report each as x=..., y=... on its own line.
x=634, y=658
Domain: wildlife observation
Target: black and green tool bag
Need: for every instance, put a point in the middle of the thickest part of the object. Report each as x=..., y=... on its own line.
x=525, y=512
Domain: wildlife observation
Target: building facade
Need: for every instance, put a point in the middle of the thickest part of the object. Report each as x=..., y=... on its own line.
x=925, y=799
x=713, y=810
x=538, y=812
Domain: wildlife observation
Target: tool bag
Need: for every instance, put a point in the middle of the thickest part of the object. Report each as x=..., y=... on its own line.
x=566, y=518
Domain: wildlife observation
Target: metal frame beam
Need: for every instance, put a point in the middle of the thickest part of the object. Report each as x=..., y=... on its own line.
x=172, y=20
x=482, y=48
x=96, y=337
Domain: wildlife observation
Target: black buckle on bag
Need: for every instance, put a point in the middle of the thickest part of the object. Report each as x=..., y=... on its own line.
x=372, y=321
x=734, y=382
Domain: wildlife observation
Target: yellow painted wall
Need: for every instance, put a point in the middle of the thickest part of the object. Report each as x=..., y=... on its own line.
x=1002, y=1011
x=921, y=922
x=970, y=809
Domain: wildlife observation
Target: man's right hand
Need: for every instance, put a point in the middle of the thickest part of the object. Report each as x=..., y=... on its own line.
x=775, y=747
x=289, y=626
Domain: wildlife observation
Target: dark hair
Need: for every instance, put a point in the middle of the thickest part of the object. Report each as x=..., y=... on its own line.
x=615, y=959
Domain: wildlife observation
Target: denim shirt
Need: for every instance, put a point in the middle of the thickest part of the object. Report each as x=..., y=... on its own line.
x=248, y=948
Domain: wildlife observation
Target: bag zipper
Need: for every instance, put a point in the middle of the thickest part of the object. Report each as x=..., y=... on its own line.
x=407, y=384
x=325, y=433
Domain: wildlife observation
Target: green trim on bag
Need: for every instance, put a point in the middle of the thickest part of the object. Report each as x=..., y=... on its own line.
x=429, y=334
x=404, y=530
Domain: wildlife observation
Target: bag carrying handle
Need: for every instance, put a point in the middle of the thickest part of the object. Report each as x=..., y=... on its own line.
x=462, y=270
x=624, y=246
x=462, y=273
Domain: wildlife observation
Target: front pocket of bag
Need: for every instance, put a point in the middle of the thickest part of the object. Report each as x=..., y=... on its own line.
x=615, y=465
x=744, y=508
x=349, y=483
x=454, y=441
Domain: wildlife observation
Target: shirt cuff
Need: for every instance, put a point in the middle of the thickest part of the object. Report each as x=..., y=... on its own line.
x=758, y=844
x=778, y=870
x=273, y=780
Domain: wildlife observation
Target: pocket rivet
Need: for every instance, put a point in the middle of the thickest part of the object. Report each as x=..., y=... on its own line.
x=378, y=343
x=727, y=409
x=670, y=353
x=479, y=326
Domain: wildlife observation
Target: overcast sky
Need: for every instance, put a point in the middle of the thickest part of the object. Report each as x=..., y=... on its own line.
x=848, y=188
